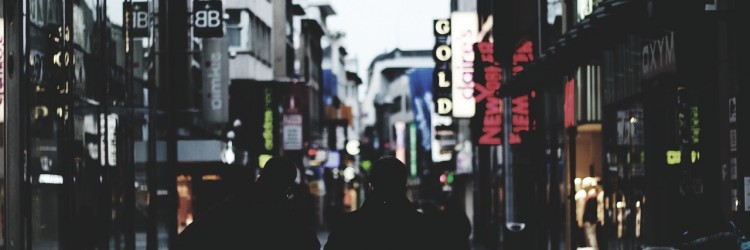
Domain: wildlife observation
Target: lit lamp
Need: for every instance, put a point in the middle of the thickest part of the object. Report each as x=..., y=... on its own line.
x=228, y=155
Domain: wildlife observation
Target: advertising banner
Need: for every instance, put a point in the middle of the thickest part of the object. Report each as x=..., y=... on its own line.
x=420, y=85
x=464, y=30
x=215, y=80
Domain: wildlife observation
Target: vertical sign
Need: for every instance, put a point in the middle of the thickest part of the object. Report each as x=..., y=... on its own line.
x=292, y=138
x=413, y=149
x=464, y=30
x=442, y=133
x=520, y=108
x=207, y=19
x=487, y=80
x=215, y=80
x=569, y=107
x=747, y=194
x=137, y=16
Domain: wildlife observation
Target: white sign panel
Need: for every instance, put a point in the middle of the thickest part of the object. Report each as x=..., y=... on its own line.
x=464, y=30
x=108, y=139
x=292, y=138
x=733, y=140
x=215, y=80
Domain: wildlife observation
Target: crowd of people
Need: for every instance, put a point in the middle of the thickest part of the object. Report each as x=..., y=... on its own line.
x=266, y=217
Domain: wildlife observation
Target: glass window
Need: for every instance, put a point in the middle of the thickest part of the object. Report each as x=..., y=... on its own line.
x=234, y=27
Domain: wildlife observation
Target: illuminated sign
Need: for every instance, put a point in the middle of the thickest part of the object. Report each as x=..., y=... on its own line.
x=569, y=106
x=443, y=138
x=400, y=128
x=442, y=132
x=442, y=54
x=674, y=157
x=207, y=19
x=520, y=108
x=658, y=56
x=464, y=30
x=489, y=106
x=585, y=7
x=108, y=140
x=292, y=138
x=268, y=121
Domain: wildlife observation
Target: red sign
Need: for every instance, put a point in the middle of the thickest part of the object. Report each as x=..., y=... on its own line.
x=569, y=106
x=520, y=108
x=492, y=123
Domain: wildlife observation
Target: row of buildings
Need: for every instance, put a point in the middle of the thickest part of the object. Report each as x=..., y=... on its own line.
x=121, y=123
x=631, y=104
x=535, y=109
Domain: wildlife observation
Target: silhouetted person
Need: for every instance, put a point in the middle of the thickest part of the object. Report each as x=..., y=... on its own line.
x=454, y=227
x=590, y=219
x=387, y=219
x=261, y=218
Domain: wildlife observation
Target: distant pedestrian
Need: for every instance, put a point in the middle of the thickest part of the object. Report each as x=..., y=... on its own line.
x=261, y=218
x=590, y=219
x=387, y=219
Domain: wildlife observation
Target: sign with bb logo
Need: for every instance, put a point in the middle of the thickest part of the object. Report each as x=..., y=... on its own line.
x=207, y=19
x=137, y=16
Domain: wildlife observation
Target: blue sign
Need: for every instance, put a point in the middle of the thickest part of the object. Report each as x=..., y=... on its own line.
x=420, y=85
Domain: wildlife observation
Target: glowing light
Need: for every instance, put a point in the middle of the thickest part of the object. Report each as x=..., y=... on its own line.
x=211, y=177
x=50, y=179
x=352, y=147
x=262, y=159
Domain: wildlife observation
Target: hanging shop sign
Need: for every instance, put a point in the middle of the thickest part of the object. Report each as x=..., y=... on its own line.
x=464, y=30
x=292, y=138
x=441, y=78
x=443, y=138
x=108, y=139
x=569, y=105
x=137, y=18
x=215, y=80
x=520, y=109
x=442, y=133
x=207, y=19
x=487, y=80
x=658, y=56
x=268, y=128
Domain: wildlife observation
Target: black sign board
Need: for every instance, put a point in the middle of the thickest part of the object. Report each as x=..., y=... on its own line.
x=207, y=19
x=137, y=18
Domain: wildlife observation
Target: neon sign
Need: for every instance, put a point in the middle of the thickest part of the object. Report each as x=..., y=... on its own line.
x=492, y=122
x=268, y=121
x=520, y=109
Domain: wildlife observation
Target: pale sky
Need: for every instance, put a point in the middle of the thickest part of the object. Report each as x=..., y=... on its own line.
x=374, y=27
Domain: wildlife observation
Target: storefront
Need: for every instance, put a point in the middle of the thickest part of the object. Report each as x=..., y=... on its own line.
x=83, y=164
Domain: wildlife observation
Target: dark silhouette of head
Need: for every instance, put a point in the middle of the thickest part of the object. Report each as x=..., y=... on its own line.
x=277, y=176
x=388, y=177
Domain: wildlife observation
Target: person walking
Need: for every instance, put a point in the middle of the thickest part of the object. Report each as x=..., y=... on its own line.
x=387, y=219
x=260, y=218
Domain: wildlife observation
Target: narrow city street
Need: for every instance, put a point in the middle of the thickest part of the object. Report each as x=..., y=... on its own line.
x=374, y=124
